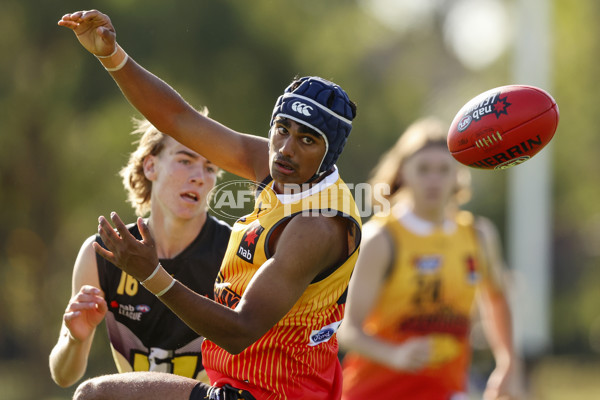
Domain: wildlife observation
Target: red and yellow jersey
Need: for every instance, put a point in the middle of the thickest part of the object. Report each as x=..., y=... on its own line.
x=297, y=358
x=430, y=290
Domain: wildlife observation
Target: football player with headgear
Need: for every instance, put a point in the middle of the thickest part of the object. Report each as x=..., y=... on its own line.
x=280, y=293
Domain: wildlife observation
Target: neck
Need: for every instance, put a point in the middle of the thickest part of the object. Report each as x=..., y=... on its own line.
x=293, y=188
x=435, y=215
x=173, y=235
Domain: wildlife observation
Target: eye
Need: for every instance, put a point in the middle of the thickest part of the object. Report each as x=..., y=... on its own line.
x=211, y=169
x=422, y=169
x=281, y=130
x=308, y=140
x=185, y=161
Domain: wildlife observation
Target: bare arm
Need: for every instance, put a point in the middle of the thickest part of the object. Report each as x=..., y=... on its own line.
x=306, y=246
x=496, y=317
x=367, y=281
x=86, y=309
x=241, y=154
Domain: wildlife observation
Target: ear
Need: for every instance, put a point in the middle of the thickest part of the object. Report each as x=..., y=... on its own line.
x=150, y=167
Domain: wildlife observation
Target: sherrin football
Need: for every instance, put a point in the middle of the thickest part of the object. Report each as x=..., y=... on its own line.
x=503, y=127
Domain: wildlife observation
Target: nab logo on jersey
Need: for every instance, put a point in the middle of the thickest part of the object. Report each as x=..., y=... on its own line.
x=249, y=240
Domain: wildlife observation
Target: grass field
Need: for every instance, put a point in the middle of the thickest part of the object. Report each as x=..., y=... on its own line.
x=553, y=378
x=566, y=378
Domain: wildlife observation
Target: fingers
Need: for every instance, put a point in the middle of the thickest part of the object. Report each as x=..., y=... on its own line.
x=78, y=307
x=70, y=316
x=102, y=307
x=145, y=232
x=106, y=231
x=87, y=298
x=71, y=20
x=82, y=21
x=121, y=228
x=136, y=257
x=418, y=352
x=111, y=237
x=418, y=360
x=102, y=252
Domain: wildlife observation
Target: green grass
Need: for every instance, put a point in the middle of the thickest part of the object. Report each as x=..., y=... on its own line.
x=553, y=378
x=566, y=378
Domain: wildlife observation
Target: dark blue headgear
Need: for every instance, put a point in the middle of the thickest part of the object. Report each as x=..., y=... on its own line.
x=320, y=105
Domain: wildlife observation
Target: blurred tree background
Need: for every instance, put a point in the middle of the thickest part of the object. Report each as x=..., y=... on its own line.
x=64, y=136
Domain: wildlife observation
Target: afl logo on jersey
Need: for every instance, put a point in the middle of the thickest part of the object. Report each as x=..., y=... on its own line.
x=248, y=244
x=143, y=308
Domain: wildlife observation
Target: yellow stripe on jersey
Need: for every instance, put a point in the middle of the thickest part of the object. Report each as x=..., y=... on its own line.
x=300, y=351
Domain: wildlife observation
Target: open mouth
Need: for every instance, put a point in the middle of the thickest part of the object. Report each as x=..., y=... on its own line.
x=284, y=167
x=190, y=196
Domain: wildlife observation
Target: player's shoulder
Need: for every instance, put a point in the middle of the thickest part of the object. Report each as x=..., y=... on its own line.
x=87, y=248
x=484, y=225
x=485, y=228
x=465, y=218
x=215, y=231
x=218, y=224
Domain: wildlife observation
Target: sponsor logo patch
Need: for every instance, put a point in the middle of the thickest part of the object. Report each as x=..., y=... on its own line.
x=132, y=312
x=428, y=264
x=493, y=104
x=302, y=108
x=324, y=334
x=248, y=244
x=472, y=271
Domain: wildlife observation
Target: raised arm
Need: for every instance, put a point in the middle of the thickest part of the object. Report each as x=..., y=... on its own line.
x=86, y=309
x=307, y=246
x=241, y=154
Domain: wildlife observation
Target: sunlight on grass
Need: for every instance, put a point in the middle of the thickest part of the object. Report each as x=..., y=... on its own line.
x=563, y=378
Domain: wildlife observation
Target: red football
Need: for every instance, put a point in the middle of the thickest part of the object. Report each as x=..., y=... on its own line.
x=503, y=127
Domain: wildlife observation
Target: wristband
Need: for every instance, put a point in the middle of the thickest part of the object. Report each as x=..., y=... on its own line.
x=165, y=290
x=159, y=282
x=116, y=60
x=112, y=54
x=158, y=266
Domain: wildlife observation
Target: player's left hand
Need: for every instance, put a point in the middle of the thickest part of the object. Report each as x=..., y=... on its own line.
x=136, y=257
x=93, y=29
x=502, y=385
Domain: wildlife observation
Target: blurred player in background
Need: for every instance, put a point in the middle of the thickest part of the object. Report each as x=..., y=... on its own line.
x=171, y=182
x=423, y=264
x=280, y=294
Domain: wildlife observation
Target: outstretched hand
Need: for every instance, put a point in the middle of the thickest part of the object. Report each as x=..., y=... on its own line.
x=136, y=257
x=94, y=31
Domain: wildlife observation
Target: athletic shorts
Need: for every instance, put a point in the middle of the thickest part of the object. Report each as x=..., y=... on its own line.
x=204, y=392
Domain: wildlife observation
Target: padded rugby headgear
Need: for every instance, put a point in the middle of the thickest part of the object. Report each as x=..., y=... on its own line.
x=322, y=106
